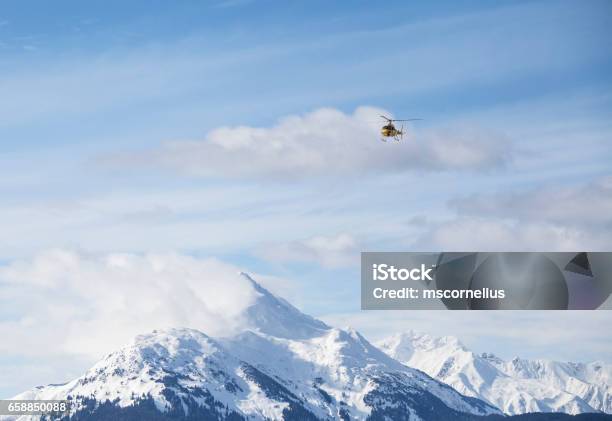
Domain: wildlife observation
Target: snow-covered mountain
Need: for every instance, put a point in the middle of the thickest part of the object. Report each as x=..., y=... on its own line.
x=517, y=386
x=284, y=365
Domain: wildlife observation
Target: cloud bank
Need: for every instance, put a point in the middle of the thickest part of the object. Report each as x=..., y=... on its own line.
x=66, y=302
x=571, y=218
x=324, y=142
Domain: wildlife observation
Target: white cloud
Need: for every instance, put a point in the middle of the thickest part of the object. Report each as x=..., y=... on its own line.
x=583, y=204
x=323, y=142
x=330, y=251
x=494, y=234
x=61, y=311
x=65, y=302
x=577, y=217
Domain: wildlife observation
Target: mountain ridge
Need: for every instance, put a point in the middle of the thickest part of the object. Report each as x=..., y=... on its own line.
x=283, y=365
x=516, y=386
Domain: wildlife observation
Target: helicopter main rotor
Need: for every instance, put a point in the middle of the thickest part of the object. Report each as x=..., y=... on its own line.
x=390, y=120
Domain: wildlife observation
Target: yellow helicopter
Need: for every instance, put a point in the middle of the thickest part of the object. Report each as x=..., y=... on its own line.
x=389, y=130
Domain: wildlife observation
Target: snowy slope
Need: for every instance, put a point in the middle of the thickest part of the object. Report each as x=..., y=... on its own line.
x=181, y=366
x=284, y=365
x=340, y=364
x=517, y=386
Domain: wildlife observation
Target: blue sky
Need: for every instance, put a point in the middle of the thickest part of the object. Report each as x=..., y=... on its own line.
x=246, y=131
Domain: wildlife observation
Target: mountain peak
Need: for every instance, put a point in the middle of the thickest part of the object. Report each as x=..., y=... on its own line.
x=403, y=345
x=272, y=315
x=165, y=348
x=492, y=358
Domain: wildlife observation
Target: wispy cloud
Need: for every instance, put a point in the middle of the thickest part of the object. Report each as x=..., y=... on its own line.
x=339, y=250
x=494, y=234
x=582, y=204
x=548, y=218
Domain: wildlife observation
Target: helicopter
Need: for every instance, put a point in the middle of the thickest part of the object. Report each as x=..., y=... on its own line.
x=389, y=130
